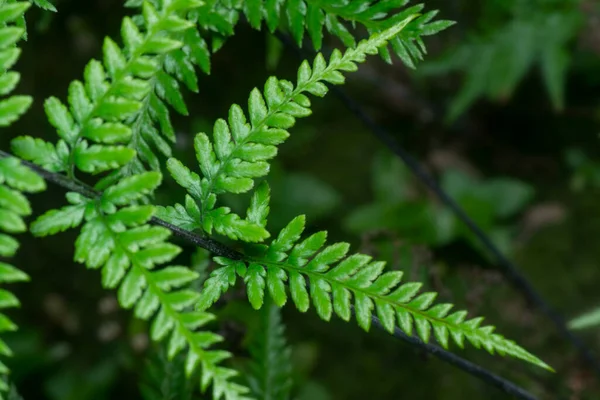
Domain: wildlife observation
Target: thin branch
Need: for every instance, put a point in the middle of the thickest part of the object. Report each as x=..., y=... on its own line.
x=508, y=269
x=459, y=362
x=87, y=191
x=224, y=251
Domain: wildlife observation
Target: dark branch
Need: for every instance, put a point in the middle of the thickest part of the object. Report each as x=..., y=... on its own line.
x=64, y=182
x=508, y=269
x=224, y=251
x=459, y=362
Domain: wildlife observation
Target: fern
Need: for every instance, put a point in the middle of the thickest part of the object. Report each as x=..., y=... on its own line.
x=336, y=278
x=164, y=378
x=112, y=115
x=116, y=125
x=45, y=5
x=117, y=239
x=271, y=369
x=240, y=148
x=238, y=155
x=14, y=178
x=338, y=17
x=495, y=62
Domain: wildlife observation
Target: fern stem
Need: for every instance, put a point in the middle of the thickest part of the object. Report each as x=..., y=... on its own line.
x=60, y=180
x=121, y=74
x=222, y=250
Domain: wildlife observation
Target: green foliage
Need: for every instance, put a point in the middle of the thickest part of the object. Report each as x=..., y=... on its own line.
x=14, y=178
x=495, y=59
x=241, y=147
x=271, y=368
x=588, y=320
x=164, y=378
x=119, y=241
x=585, y=171
x=12, y=107
x=118, y=116
x=115, y=126
x=327, y=278
x=309, y=17
x=44, y=4
x=413, y=214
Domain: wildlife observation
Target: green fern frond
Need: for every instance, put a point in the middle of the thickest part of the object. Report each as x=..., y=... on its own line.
x=117, y=239
x=112, y=118
x=339, y=18
x=271, y=369
x=14, y=178
x=11, y=108
x=495, y=62
x=44, y=5
x=164, y=378
x=241, y=147
x=337, y=283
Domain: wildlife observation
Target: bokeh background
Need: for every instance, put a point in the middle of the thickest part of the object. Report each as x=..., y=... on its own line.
x=505, y=111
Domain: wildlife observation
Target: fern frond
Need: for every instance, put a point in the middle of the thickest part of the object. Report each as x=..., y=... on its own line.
x=337, y=283
x=242, y=146
x=271, y=369
x=14, y=178
x=494, y=62
x=112, y=116
x=340, y=18
x=11, y=108
x=117, y=239
x=44, y=5
x=164, y=378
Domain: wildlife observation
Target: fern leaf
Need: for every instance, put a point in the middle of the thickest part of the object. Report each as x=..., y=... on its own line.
x=335, y=283
x=242, y=146
x=271, y=368
x=311, y=17
x=45, y=5
x=164, y=378
x=128, y=251
x=114, y=116
x=14, y=177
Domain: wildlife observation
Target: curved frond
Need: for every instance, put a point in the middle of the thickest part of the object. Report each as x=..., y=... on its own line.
x=117, y=117
x=14, y=178
x=117, y=239
x=335, y=282
x=339, y=18
x=164, y=378
x=271, y=368
x=242, y=145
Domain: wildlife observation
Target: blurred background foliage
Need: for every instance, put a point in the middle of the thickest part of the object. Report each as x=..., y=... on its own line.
x=505, y=111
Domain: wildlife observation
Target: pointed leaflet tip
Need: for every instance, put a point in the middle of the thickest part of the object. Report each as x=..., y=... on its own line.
x=389, y=33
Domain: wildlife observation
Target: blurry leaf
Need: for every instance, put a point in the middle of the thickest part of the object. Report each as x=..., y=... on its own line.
x=508, y=196
x=300, y=193
x=495, y=60
x=391, y=179
x=587, y=320
x=412, y=220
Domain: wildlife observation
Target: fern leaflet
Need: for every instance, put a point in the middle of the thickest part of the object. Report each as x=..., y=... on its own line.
x=241, y=148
